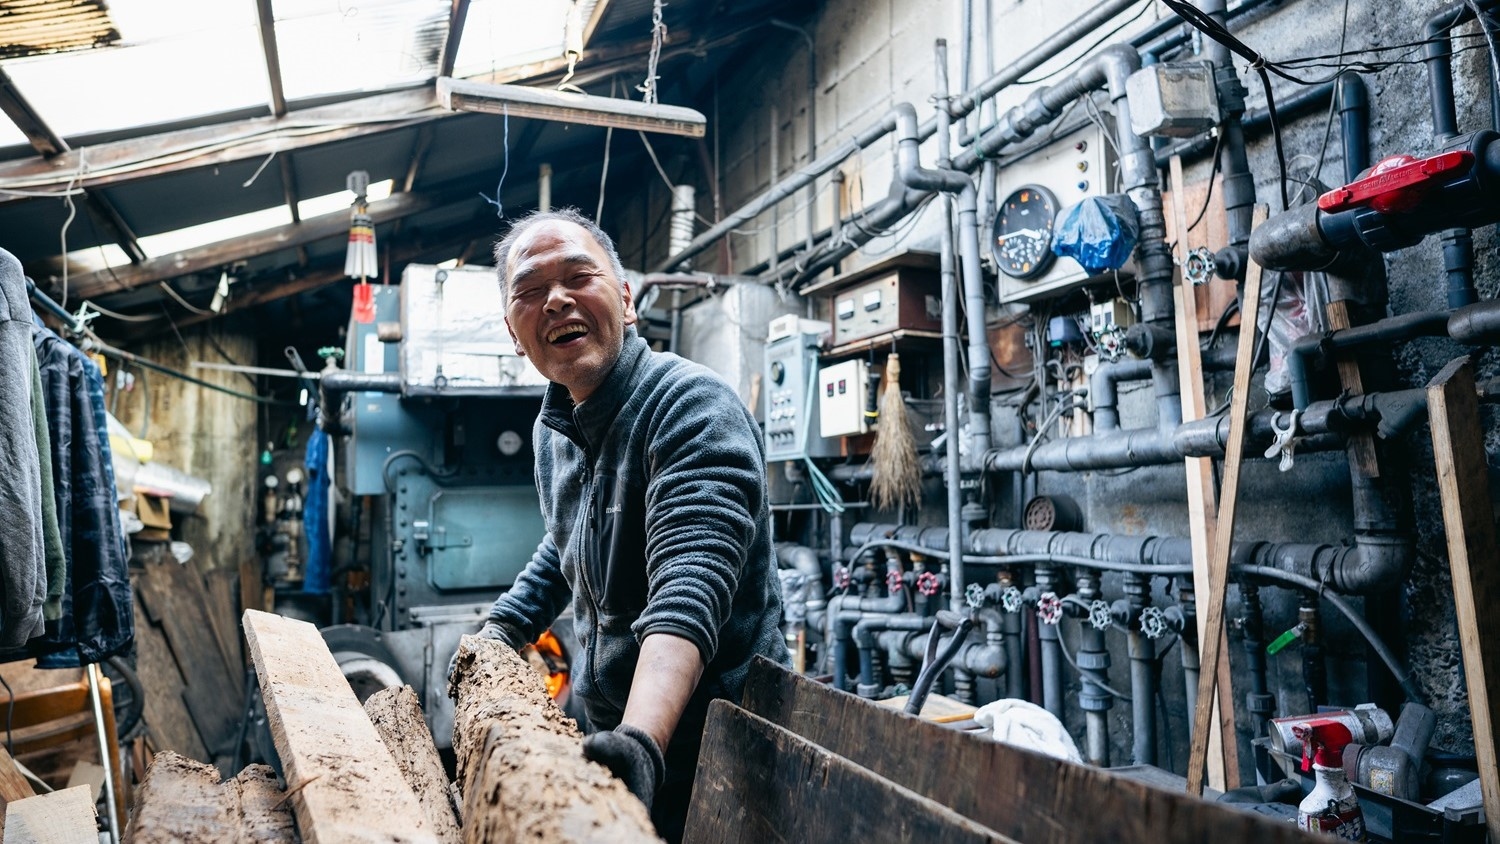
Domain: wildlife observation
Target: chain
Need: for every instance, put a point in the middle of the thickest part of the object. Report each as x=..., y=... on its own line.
x=658, y=32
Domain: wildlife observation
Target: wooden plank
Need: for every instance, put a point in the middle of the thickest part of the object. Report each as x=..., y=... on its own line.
x=165, y=709
x=13, y=785
x=937, y=708
x=1212, y=231
x=397, y=716
x=221, y=593
x=457, y=14
x=1469, y=517
x=173, y=594
x=752, y=786
x=59, y=817
x=1362, y=442
x=183, y=800
x=1202, y=496
x=1213, y=660
x=520, y=761
x=1025, y=795
x=344, y=783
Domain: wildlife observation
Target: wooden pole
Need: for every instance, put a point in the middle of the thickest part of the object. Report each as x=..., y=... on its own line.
x=1469, y=517
x=1202, y=497
x=1212, y=638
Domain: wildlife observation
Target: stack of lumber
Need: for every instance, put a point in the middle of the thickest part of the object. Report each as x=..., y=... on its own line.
x=373, y=774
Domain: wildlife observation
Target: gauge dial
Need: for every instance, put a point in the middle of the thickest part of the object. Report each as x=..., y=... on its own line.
x=509, y=443
x=1022, y=235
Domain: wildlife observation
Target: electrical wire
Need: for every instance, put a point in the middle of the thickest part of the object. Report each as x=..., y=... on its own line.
x=89, y=303
x=1090, y=49
x=498, y=202
x=183, y=302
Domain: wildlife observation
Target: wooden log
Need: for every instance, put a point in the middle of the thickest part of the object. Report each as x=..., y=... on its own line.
x=520, y=763
x=1469, y=516
x=752, y=786
x=345, y=785
x=398, y=718
x=58, y=817
x=1025, y=795
x=183, y=800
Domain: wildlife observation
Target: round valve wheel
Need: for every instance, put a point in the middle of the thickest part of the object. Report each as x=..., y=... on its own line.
x=928, y=583
x=893, y=582
x=1099, y=615
x=1153, y=623
x=842, y=577
x=974, y=595
x=1010, y=599
x=1049, y=608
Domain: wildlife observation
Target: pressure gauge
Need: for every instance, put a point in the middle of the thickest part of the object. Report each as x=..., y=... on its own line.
x=509, y=443
x=294, y=476
x=1022, y=236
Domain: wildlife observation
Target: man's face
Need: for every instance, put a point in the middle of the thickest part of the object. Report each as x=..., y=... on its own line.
x=566, y=311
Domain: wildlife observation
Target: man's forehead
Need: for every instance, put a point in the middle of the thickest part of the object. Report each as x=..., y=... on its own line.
x=568, y=237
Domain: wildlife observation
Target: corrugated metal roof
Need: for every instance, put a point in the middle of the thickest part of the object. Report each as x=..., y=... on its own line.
x=36, y=27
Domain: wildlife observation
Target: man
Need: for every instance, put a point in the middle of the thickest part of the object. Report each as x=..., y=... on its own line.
x=652, y=480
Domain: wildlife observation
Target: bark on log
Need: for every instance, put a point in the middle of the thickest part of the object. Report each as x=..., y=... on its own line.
x=182, y=802
x=520, y=765
x=398, y=718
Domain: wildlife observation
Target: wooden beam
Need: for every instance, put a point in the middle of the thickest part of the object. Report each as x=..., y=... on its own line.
x=397, y=716
x=752, y=786
x=419, y=148
x=121, y=162
x=457, y=14
x=1212, y=637
x=1469, y=517
x=50, y=145
x=520, y=764
x=183, y=800
x=213, y=255
x=266, y=19
x=1027, y=796
x=596, y=16
x=345, y=785
x=1202, y=496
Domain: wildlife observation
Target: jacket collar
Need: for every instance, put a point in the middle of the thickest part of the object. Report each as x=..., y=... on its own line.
x=586, y=423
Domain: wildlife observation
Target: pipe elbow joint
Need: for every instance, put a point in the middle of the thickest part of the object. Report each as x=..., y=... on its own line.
x=1377, y=562
x=984, y=660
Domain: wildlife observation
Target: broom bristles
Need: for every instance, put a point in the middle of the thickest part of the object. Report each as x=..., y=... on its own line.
x=897, y=479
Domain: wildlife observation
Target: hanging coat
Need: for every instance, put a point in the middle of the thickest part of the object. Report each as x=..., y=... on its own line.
x=23, y=583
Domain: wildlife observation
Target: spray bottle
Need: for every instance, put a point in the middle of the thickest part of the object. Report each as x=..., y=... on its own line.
x=1331, y=807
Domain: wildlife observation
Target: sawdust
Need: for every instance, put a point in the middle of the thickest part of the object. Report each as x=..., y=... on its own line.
x=520, y=766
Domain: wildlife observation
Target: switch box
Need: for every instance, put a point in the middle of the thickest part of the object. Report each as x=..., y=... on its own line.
x=1173, y=100
x=791, y=406
x=842, y=391
x=897, y=294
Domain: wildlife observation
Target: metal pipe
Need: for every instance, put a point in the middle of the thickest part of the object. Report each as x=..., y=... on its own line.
x=1239, y=184
x=1103, y=392
x=1142, y=698
x=1322, y=346
x=1052, y=674
x=1354, y=121
x=107, y=758
x=333, y=386
x=1093, y=666
x=1259, y=701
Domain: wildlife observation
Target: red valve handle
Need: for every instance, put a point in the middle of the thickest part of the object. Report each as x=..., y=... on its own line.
x=1398, y=183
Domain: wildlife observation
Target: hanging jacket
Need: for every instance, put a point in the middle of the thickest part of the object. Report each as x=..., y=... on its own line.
x=23, y=585
x=317, y=576
x=97, y=619
x=57, y=561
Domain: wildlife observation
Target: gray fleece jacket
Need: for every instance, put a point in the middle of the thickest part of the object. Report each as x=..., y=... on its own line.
x=654, y=496
x=23, y=573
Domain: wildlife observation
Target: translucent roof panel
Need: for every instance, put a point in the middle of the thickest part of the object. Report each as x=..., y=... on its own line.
x=176, y=59
x=505, y=33
x=335, y=46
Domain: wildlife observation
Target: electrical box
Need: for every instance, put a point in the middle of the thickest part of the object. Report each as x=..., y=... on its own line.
x=899, y=294
x=453, y=336
x=1031, y=193
x=1174, y=100
x=843, y=390
x=793, y=431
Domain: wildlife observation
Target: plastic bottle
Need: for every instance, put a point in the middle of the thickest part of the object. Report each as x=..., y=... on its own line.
x=1331, y=807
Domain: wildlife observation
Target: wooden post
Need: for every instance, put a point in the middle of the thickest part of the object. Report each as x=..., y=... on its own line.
x=1469, y=517
x=520, y=760
x=1212, y=639
x=345, y=785
x=1202, y=497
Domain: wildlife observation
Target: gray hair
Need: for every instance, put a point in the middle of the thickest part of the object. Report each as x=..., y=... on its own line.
x=561, y=215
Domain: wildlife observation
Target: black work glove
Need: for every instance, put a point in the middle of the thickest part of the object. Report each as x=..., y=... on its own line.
x=633, y=756
x=500, y=632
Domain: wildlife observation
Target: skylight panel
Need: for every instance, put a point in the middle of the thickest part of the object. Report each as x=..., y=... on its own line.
x=336, y=46
x=505, y=33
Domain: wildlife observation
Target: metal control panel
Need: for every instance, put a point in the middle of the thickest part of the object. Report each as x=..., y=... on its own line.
x=843, y=390
x=1078, y=165
x=792, y=427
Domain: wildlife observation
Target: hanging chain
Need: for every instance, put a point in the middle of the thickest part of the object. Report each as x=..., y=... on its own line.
x=658, y=32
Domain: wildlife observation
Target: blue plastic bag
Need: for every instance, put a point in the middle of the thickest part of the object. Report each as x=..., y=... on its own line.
x=1099, y=232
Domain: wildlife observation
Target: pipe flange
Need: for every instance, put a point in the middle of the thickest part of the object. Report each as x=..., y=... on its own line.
x=1100, y=617
x=1153, y=622
x=1010, y=599
x=974, y=596
x=1049, y=608
x=928, y=584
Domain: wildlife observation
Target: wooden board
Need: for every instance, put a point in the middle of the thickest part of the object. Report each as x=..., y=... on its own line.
x=1469, y=516
x=937, y=708
x=344, y=783
x=1024, y=795
x=1212, y=231
x=183, y=800
x=520, y=760
x=221, y=593
x=165, y=712
x=173, y=596
x=397, y=716
x=1213, y=664
x=60, y=817
x=13, y=785
x=753, y=784
x=1202, y=497
x=1362, y=443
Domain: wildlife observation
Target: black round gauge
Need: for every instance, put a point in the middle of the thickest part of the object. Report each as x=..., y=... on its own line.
x=1022, y=234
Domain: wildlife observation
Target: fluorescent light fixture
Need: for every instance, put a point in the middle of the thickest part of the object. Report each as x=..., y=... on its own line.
x=566, y=107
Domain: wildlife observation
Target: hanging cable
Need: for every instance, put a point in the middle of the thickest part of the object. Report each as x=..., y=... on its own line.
x=505, y=168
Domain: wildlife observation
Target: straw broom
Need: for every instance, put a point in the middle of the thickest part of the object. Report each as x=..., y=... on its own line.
x=897, y=478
